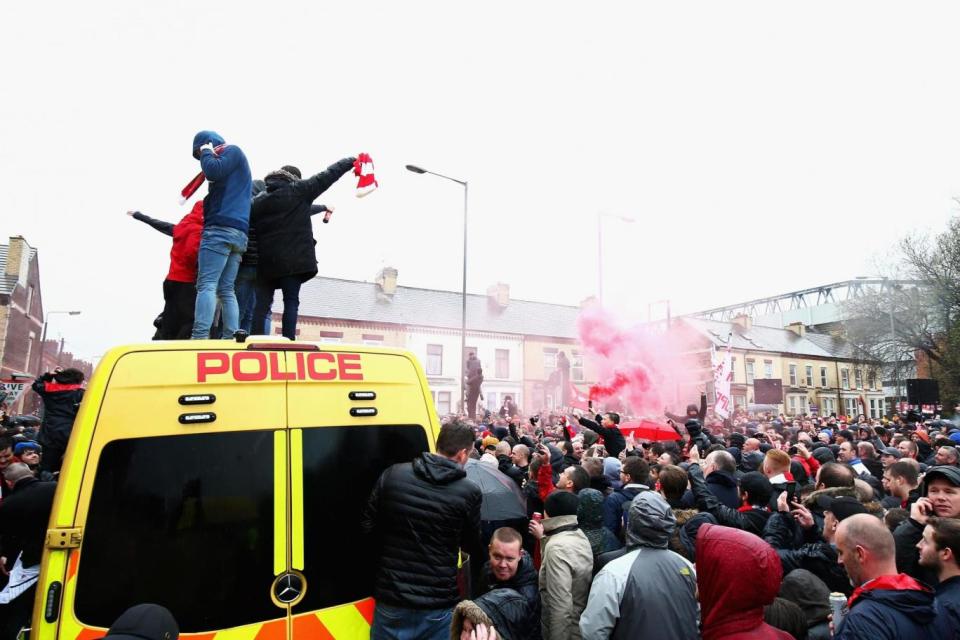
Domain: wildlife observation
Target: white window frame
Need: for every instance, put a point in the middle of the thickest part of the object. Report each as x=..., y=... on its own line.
x=430, y=369
x=823, y=377
x=792, y=369
x=750, y=371
x=768, y=369
x=808, y=374
x=845, y=379
x=576, y=366
x=496, y=363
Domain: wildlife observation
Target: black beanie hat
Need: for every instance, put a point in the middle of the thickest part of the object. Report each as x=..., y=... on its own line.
x=289, y=168
x=561, y=503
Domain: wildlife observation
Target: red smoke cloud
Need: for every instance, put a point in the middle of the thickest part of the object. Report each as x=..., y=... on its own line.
x=642, y=367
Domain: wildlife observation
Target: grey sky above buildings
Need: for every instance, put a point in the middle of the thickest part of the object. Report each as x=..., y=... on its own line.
x=761, y=147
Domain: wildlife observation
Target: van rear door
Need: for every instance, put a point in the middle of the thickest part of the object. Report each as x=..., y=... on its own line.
x=180, y=501
x=344, y=432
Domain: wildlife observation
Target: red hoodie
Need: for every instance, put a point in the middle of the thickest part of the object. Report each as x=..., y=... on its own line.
x=737, y=575
x=186, y=246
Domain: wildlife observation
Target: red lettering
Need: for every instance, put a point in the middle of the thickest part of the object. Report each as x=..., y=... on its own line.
x=204, y=367
x=312, y=371
x=301, y=374
x=256, y=356
x=275, y=373
x=349, y=362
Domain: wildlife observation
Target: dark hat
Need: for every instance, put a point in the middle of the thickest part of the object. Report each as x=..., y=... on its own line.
x=289, y=168
x=144, y=622
x=29, y=445
x=824, y=454
x=751, y=460
x=950, y=474
x=846, y=433
x=561, y=503
x=891, y=451
x=737, y=440
x=693, y=426
x=842, y=506
x=758, y=486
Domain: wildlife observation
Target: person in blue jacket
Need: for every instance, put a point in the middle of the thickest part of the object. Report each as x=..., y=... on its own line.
x=226, y=220
x=885, y=605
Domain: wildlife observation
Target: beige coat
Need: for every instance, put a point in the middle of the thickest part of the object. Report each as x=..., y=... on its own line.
x=566, y=571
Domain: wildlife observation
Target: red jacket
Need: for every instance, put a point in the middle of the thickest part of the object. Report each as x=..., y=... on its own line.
x=737, y=575
x=186, y=246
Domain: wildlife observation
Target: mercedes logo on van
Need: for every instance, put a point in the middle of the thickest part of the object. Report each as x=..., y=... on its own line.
x=289, y=588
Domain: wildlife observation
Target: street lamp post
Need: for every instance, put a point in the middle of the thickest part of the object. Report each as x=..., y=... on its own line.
x=600, y=216
x=43, y=337
x=463, y=292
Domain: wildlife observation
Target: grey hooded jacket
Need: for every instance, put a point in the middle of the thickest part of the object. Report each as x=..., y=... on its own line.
x=651, y=592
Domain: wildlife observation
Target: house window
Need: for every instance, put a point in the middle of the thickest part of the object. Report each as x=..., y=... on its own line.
x=828, y=405
x=792, y=404
x=858, y=378
x=872, y=382
x=804, y=406
x=845, y=378
x=749, y=371
x=739, y=401
x=793, y=375
x=502, y=363
x=823, y=377
x=435, y=363
x=768, y=369
x=373, y=339
x=443, y=402
x=733, y=369
x=576, y=366
x=809, y=375
x=549, y=360
x=851, y=407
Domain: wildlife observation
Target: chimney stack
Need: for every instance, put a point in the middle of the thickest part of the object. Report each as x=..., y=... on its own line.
x=18, y=258
x=499, y=295
x=744, y=321
x=387, y=281
x=798, y=328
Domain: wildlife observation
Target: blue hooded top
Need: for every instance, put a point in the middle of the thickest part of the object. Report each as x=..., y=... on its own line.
x=228, y=204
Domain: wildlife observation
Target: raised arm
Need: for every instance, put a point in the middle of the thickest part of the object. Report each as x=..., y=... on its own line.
x=312, y=187
x=166, y=228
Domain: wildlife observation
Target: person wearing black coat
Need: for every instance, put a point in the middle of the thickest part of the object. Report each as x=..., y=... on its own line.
x=755, y=488
x=606, y=426
x=24, y=515
x=525, y=582
x=286, y=249
x=419, y=516
x=62, y=392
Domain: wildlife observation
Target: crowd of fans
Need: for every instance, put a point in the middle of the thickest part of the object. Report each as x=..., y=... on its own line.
x=742, y=529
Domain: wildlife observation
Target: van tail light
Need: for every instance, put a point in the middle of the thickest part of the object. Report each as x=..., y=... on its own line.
x=282, y=346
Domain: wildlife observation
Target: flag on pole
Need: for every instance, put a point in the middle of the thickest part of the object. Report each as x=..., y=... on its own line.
x=722, y=378
x=578, y=399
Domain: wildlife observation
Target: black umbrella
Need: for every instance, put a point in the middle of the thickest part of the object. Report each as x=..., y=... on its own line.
x=502, y=499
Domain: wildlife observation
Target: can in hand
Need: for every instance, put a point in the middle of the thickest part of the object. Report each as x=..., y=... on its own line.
x=838, y=606
x=537, y=516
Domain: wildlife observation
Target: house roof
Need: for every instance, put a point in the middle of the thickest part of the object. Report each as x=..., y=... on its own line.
x=323, y=297
x=7, y=282
x=757, y=338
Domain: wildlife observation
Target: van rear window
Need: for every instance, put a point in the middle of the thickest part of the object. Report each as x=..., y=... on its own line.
x=186, y=522
x=340, y=467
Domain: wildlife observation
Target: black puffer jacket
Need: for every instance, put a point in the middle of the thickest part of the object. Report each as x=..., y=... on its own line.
x=24, y=515
x=60, y=405
x=525, y=582
x=511, y=614
x=418, y=516
x=285, y=243
x=819, y=558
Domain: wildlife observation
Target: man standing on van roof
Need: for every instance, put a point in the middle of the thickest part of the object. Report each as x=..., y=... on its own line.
x=226, y=220
x=418, y=517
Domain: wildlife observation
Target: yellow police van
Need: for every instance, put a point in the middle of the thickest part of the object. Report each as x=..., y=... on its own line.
x=225, y=481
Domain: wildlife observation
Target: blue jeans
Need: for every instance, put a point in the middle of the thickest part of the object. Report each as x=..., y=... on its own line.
x=217, y=265
x=246, y=296
x=290, y=286
x=398, y=623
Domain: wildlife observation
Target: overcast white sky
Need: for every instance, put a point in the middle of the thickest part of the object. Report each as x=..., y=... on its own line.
x=762, y=147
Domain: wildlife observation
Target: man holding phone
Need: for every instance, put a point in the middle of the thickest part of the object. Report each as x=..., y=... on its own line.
x=940, y=496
